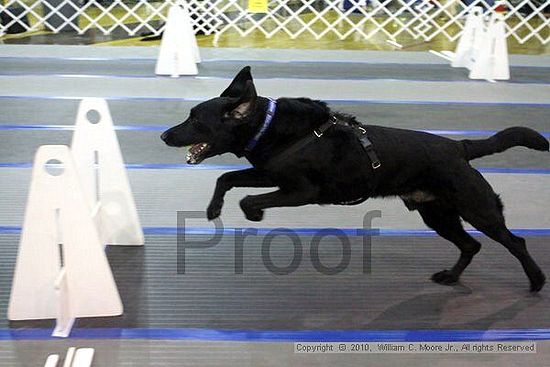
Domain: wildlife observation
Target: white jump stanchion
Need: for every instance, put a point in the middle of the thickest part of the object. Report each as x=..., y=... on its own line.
x=469, y=45
x=179, y=52
x=61, y=271
x=52, y=360
x=83, y=357
x=100, y=166
x=492, y=61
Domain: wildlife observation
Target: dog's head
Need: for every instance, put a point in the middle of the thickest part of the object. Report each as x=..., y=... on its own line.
x=220, y=125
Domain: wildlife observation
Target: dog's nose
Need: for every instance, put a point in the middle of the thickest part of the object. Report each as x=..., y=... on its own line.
x=164, y=136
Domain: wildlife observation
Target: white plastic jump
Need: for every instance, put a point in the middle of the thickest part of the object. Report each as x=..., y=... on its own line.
x=62, y=271
x=101, y=168
x=469, y=44
x=179, y=52
x=492, y=58
x=482, y=47
x=81, y=357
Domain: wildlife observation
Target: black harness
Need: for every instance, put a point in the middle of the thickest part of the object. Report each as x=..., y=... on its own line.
x=359, y=131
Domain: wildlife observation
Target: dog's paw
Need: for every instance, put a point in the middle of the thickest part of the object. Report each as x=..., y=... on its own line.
x=251, y=213
x=445, y=277
x=214, y=210
x=537, y=282
x=254, y=216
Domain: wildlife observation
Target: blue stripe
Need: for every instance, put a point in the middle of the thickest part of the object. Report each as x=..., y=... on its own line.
x=284, y=335
x=54, y=58
x=72, y=127
x=98, y=76
x=352, y=232
x=243, y=61
x=523, y=171
x=112, y=98
x=221, y=167
x=375, y=232
x=333, y=101
x=138, y=127
x=232, y=167
x=288, y=77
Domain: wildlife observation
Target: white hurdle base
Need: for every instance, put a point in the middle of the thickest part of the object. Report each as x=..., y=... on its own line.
x=64, y=323
x=61, y=271
x=179, y=52
x=100, y=166
x=52, y=360
x=481, y=49
x=470, y=41
x=492, y=61
x=81, y=357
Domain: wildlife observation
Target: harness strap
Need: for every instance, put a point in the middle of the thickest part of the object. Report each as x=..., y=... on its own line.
x=360, y=134
x=307, y=139
x=327, y=125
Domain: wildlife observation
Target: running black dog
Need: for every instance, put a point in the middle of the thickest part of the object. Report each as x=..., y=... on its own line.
x=316, y=156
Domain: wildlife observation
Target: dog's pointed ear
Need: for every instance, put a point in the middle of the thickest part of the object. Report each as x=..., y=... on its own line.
x=239, y=84
x=246, y=104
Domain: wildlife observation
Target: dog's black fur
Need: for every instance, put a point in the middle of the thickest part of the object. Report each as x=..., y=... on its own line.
x=430, y=173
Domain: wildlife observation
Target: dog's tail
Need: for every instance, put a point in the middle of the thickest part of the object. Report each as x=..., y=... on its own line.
x=505, y=139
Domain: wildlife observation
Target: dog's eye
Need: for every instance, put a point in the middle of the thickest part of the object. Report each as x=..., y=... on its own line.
x=237, y=115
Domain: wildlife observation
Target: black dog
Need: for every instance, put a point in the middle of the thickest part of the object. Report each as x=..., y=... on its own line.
x=316, y=156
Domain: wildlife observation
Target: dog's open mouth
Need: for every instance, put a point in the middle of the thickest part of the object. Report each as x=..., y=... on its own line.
x=197, y=153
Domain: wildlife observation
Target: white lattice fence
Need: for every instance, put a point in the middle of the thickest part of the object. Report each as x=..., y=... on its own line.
x=388, y=19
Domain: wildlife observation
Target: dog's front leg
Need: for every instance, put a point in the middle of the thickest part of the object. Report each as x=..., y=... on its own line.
x=246, y=178
x=253, y=205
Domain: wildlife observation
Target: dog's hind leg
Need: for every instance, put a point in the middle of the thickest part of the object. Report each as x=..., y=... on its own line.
x=446, y=222
x=481, y=207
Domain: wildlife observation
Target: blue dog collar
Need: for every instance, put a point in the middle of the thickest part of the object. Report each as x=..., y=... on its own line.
x=271, y=107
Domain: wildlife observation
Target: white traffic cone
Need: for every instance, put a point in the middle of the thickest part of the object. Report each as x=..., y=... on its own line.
x=492, y=61
x=179, y=52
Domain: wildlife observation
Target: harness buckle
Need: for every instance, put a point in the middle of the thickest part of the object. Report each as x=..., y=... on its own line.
x=376, y=165
x=317, y=134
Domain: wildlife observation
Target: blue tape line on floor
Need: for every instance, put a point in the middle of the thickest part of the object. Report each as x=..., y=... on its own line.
x=47, y=127
x=261, y=231
x=334, y=231
x=232, y=167
x=285, y=335
x=244, y=61
x=294, y=77
x=332, y=101
x=159, y=128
